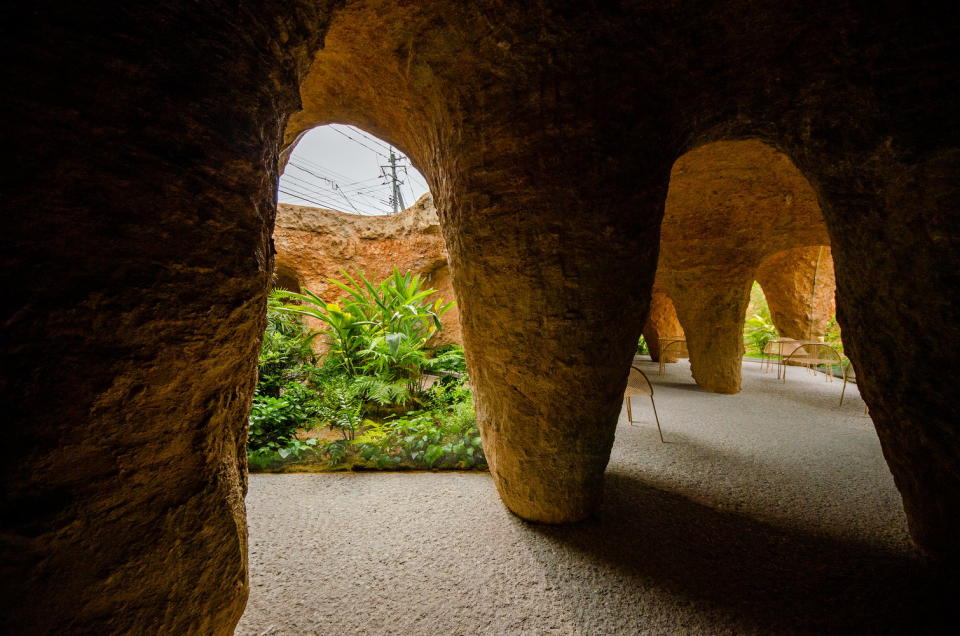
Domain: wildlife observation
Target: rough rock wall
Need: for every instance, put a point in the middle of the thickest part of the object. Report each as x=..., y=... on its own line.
x=147, y=139
x=661, y=321
x=314, y=245
x=800, y=288
x=731, y=204
x=547, y=132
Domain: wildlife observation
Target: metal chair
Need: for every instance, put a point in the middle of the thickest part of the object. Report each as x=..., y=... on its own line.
x=813, y=355
x=780, y=347
x=675, y=346
x=638, y=384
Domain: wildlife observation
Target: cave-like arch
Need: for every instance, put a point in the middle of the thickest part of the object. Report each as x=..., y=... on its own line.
x=137, y=264
x=730, y=205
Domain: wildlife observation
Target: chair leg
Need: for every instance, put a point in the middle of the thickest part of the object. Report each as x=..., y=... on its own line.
x=844, y=389
x=657, y=418
x=629, y=410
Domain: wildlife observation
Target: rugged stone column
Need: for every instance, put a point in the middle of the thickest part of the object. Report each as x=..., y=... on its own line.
x=730, y=205
x=550, y=193
x=661, y=321
x=799, y=287
x=901, y=322
x=135, y=259
x=712, y=310
x=550, y=321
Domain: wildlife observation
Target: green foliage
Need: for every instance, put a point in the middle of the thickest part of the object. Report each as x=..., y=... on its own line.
x=285, y=355
x=447, y=359
x=758, y=333
x=758, y=329
x=642, y=347
x=274, y=420
x=425, y=439
x=832, y=335
x=378, y=330
x=376, y=366
x=339, y=406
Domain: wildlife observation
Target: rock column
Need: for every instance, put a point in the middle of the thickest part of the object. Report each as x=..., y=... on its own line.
x=136, y=267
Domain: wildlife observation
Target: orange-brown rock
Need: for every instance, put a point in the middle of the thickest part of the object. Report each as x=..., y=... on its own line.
x=314, y=245
x=136, y=245
x=662, y=321
x=730, y=205
x=799, y=287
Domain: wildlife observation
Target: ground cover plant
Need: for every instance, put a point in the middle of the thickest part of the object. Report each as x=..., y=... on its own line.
x=379, y=397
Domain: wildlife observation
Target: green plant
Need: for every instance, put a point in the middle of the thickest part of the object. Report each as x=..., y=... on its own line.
x=758, y=333
x=274, y=421
x=377, y=329
x=339, y=406
x=832, y=336
x=285, y=354
x=642, y=347
x=425, y=439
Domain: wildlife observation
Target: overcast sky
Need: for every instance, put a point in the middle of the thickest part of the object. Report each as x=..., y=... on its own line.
x=339, y=167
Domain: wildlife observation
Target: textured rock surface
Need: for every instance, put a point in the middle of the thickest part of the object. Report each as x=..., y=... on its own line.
x=661, y=321
x=799, y=286
x=136, y=254
x=314, y=245
x=730, y=205
x=147, y=139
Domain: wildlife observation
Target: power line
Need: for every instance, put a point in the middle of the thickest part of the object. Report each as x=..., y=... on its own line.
x=359, y=142
x=370, y=138
x=311, y=188
x=334, y=188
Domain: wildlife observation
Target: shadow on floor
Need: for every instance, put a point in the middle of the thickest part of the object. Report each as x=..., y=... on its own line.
x=736, y=573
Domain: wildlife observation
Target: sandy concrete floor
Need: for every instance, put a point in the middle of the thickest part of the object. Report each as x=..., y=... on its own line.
x=770, y=511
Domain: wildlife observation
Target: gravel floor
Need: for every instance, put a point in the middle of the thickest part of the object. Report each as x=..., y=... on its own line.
x=770, y=511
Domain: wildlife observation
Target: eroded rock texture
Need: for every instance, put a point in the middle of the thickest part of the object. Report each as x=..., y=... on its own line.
x=730, y=205
x=799, y=286
x=147, y=140
x=139, y=215
x=314, y=245
x=662, y=321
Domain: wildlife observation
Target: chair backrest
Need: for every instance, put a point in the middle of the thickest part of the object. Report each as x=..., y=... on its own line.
x=637, y=383
x=815, y=353
x=775, y=346
x=675, y=347
x=784, y=346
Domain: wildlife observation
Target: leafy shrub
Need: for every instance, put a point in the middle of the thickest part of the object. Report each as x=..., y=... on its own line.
x=285, y=354
x=274, y=420
x=378, y=330
x=832, y=335
x=759, y=332
x=642, y=347
x=425, y=439
x=376, y=366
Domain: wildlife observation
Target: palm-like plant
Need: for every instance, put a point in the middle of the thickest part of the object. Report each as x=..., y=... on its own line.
x=378, y=330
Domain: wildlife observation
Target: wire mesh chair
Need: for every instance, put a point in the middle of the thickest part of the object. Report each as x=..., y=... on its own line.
x=780, y=347
x=638, y=384
x=813, y=355
x=676, y=347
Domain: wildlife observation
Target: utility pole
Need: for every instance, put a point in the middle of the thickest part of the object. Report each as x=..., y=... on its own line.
x=396, y=199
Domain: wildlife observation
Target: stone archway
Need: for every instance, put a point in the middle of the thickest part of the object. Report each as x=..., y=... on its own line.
x=731, y=205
